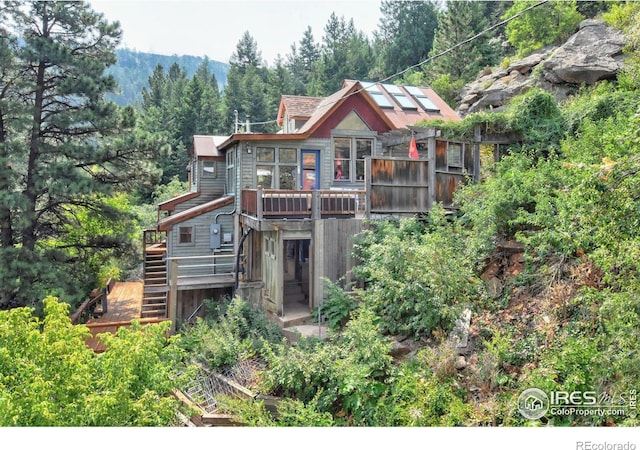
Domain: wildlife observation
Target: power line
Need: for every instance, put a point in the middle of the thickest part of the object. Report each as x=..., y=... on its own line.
x=431, y=58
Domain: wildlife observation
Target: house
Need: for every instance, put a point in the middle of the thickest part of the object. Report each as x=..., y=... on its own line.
x=271, y=215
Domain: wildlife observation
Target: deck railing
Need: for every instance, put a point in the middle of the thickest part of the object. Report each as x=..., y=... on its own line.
x=274, y=203
x=185, y=267
x=195, y=271
x=154, y=237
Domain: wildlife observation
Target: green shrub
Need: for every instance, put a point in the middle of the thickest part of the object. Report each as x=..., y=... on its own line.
x=337, y=307
x=345, y=376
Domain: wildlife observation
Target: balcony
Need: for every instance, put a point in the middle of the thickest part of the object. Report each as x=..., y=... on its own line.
x=320, y=204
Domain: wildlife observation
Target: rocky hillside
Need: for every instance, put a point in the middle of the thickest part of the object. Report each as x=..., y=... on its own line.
x=592, y=54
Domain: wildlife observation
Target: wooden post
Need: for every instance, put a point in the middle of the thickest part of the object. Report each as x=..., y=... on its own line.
x=431, y=170
x=367, y=187
x=316, y=205
x=173, y=294
x=477, y=139
x=259, y=203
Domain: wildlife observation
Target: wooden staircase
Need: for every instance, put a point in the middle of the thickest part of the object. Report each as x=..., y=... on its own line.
x=154, y=296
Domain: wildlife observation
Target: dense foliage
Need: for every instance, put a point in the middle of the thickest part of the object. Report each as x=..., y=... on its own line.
x=64, y=150
x=49, y=377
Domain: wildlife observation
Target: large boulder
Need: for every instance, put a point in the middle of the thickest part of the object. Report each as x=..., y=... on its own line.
x=592, y=54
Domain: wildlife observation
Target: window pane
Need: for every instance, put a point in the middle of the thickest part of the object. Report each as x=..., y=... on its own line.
x=265, y=176
x=265, y=154
x=342, y=148
x=209, y=169
x=288, y=175
x=288, y=155
x=186, y=235
x=360, y=170
x=454, y=155
x=363, y=148
x=341, y=169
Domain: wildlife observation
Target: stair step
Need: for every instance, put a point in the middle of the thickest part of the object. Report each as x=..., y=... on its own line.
x=154, y=297
x=156, y=272
x=155, y=309
x=154, y=264
x=156, y=289
x=154, y=306
x=161, y=279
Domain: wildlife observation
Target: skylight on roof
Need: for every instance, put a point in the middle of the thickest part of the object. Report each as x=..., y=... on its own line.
x=404, y=101
x=392, y=88
x=422, y=98
x=381, y=100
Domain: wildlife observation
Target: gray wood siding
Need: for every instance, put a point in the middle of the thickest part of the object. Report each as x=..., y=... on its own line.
x=210, y=188
x=201, y=243
x=213, y=186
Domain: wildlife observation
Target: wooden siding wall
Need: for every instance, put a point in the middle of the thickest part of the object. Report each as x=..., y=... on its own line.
x=398, y=186
x=200, y=246
x=332, y=245
x=210, y=187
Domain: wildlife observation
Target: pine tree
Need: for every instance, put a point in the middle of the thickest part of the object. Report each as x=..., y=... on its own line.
x=405, y=35
x=460, y=21
x=246, y=88
x=68, y=148
x=346, y=54
x=301, y=62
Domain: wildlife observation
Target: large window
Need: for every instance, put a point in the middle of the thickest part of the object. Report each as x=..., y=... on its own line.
x=348, y=158
x=276, y=168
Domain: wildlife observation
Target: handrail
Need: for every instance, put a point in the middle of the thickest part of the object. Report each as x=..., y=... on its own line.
x=88, y=306
x=272, y=203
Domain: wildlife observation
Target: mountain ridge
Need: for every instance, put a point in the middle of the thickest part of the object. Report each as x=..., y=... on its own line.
x=133, y=69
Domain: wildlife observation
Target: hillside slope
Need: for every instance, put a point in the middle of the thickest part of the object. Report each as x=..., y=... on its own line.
x=133, y=69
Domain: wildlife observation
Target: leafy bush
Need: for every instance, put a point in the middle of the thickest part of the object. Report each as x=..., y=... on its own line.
x=49, y=377
x=419, y=285
x=337, y=306
x=345, y=376
x=417, y=398
x=548, y=24
x=233, y=330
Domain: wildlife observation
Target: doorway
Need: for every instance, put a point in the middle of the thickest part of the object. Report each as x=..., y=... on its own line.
x=296, y=276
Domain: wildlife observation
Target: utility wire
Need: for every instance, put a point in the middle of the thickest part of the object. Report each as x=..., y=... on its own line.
x=431, y=58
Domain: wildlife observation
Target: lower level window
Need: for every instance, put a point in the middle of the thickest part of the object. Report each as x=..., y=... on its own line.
x=185, y=235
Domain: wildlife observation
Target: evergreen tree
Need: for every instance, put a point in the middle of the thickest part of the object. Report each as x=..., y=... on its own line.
x=246, y=87
x=405, y=35
x=281, y=82
x=301, y=62
x=346, y=54
x=460, y=21
x=457, y=23
x=63, y=147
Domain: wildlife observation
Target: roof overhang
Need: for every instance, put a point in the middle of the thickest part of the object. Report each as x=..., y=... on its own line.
x=168, y=222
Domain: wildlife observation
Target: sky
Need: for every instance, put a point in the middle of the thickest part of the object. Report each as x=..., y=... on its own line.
x=213, y=28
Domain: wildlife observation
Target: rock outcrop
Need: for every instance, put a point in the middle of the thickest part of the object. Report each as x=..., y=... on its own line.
x=592, y=54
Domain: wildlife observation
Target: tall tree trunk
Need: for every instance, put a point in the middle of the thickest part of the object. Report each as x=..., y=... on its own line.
x=30, y=191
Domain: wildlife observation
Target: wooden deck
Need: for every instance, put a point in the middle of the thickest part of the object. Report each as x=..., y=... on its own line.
x=124, y=304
